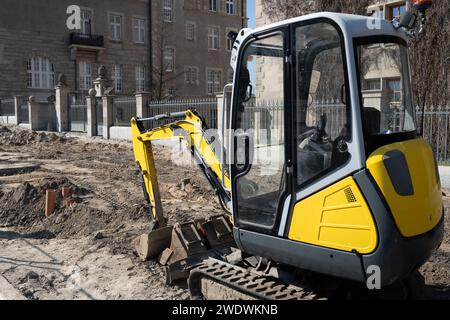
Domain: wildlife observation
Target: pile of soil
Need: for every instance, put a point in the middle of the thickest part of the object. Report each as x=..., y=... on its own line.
x=23, y=208
x=23, y=137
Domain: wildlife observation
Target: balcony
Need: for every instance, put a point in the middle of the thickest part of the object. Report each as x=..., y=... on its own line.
x=85, y=42
x=88, y=40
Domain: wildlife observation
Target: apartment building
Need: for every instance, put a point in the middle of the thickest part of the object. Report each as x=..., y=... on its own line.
x=36, y=46
x=190, y=44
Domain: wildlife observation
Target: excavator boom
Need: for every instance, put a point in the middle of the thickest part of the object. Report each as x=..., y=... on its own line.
x=189, y=126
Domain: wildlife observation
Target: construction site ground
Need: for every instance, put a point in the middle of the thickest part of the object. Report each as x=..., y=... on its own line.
x=84, y=251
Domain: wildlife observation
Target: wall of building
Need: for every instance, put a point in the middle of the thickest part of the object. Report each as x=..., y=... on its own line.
x=195, y=52
x=30, y=28
x=38, y=28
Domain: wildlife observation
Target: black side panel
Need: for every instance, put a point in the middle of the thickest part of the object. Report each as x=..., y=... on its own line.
x=397, y=168
x=338, y=263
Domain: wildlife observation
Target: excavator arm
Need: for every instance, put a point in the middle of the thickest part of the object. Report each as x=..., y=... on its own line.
x=189, y=126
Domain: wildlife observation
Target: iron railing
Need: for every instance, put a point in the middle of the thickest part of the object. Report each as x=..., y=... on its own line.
x=7, y=107
x=99, y=115
x=77, y=113
x=206, y=107
x=25, y=117
x=436, y=131
x=92, y=40
x=124, y=108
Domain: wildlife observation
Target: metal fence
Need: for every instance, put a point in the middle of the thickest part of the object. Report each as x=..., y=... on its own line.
x=268, y=116
x=267, y=119
x=25, y=116
x=124, y=108
x=99, y=115
x=7, y=107
x=77, y=113
x=207, y=107
x=437, y=131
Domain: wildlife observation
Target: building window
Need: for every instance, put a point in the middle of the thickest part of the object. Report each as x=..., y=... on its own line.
x=372, y=84
x=115, y=22
x=213, y=38
x=190, y=75
x=190, y=31
x=85, y=72
x=168, y=10
x=396, y=11
x=394, y=90
x=169, y=59
x=117, y=77
x=171, y=92
x=41, y=73
x=213, y=5
x=230, y=75
x=139, y=30
x=140, y=78
x=230, y=7
x=214, y=78
x=86, y=22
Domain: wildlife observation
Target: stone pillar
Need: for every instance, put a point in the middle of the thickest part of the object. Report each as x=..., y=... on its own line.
x=91, y=128
x=33, y=114
x=18, y=109
x=62, y=104
x=102, y=83
x=142, y=100
x=107, y=115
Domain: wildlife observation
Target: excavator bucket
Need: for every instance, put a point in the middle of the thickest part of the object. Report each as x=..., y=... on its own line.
x=151, y=245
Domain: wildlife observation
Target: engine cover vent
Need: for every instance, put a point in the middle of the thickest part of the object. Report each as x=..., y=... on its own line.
x=349, y=195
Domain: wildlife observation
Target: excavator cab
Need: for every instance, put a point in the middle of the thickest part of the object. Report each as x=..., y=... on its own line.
x=328, y=171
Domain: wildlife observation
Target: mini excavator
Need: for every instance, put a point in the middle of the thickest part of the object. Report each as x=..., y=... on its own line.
x=318, y=163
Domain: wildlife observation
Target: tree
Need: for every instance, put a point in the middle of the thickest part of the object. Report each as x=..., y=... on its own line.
x=160, y=76
x=284, y=9
x=430, y=57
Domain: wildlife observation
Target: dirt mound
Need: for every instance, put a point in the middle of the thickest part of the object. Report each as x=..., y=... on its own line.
x=4, y=129
x=20, y=137
x=24, y=206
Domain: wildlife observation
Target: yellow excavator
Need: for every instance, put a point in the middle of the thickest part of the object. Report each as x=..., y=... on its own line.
x=318, y=163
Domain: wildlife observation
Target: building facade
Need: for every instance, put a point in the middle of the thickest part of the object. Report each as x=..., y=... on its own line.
x=191, y=51
x=189, y=58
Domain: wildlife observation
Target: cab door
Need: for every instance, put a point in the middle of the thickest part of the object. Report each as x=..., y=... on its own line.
x=260, y=112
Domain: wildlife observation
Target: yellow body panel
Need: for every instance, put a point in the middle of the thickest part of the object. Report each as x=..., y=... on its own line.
x=337, y=217
x=422, y=211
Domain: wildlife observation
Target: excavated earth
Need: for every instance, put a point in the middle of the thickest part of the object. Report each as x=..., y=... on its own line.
x=83, y=251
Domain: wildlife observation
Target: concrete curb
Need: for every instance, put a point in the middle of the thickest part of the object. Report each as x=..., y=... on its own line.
x=8, y=292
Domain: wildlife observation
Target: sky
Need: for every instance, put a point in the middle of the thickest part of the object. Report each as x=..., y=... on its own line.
x=251, y=13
